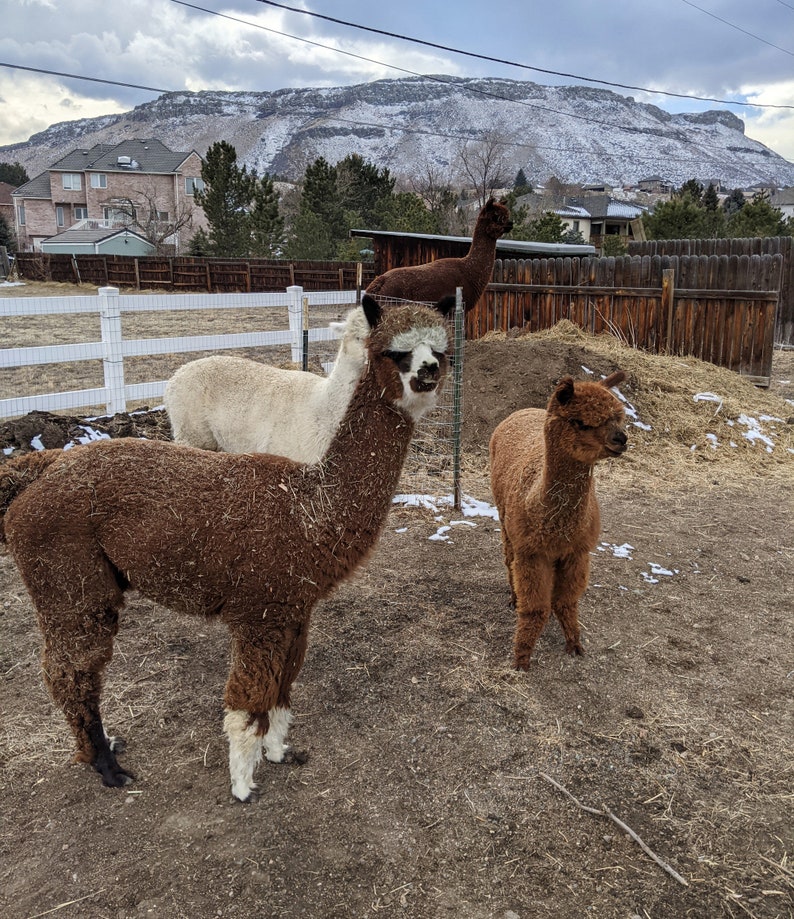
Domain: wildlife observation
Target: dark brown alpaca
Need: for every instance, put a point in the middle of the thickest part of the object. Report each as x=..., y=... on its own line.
x=436, y=282
x=254, y=539
x=542, y=478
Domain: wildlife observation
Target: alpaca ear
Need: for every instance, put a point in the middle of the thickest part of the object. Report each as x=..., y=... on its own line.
x=490, y=202
x=446, y=305
x=613, y=379
x=564, y=391
x=371, y=309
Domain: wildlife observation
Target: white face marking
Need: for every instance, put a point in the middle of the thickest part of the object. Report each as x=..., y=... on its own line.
x=415, y=403
x=245, y=752
x=435, y=337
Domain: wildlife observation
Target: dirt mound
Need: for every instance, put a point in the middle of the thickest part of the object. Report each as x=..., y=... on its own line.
x=46, y=430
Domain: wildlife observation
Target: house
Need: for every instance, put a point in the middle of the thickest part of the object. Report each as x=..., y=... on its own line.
x=89, y=237
x=577, y=219
x=655, y=185
x=783, y=200
x=609, y=217
x=136, y=183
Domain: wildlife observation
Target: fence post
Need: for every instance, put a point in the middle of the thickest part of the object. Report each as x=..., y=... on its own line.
x=295, y=311
x=113, y=359
x=668, y=303
x=457, y=397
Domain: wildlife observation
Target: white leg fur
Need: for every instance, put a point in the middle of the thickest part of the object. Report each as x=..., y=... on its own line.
x=280, y=721
x=245, y=752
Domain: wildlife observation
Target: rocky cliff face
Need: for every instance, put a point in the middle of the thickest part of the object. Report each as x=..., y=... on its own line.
x=578, y=134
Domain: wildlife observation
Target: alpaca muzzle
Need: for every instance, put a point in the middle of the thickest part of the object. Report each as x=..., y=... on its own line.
x=427, y=377
x=617, y=443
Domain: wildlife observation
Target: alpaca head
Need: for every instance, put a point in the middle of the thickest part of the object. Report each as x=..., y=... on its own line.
x=408, y=350
x=494, y=219
x=587, y=420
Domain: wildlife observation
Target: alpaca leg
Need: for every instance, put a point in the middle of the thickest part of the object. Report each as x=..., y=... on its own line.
x=264, y=666
x=533, y=582
x=73, y=674
x=245, y=752
x=276, y=750
x=570, y=581
x=507, y=548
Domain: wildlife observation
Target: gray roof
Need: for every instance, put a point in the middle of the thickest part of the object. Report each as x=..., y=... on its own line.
x=517, y=246
x=89, y=235
x=37, y=187
x=151, y=156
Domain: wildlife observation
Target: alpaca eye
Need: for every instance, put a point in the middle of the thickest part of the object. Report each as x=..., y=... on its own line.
x=580, y=425
x=399, y=357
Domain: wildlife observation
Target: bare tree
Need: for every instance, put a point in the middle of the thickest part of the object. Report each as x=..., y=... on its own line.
x=484, y=164
x=433, y=185
x=146, y=213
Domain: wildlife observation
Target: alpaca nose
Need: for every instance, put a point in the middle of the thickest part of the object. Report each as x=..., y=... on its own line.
x=618, y=440
x=428, y=371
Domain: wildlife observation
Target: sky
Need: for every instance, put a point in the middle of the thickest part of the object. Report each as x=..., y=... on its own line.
x=728, y=50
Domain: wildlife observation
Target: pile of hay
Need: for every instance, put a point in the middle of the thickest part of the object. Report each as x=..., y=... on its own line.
x=686, y=416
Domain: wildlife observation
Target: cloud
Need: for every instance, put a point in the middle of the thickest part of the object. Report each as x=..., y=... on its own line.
x=173, y=47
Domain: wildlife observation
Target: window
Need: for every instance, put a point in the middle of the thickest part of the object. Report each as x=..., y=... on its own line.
x=192, y=185
x=80, y=213
x=117, y=215
x=72, y=181
x=59, y=216
x=162, y=216
x=21, y=214
x=99, y=180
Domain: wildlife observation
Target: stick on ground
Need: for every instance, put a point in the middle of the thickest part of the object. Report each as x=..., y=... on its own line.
x=606, y=812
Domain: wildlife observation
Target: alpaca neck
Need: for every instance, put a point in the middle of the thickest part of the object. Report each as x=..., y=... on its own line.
x=346, y=372
x=361, y=469
x=566, y=484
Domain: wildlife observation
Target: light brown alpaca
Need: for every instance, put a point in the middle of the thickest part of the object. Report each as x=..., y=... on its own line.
x=254, y=539
x=542, y=479
x=436, y=282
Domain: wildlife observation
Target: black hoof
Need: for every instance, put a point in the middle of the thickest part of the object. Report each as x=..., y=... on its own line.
x=113, y=776
x=294, y=758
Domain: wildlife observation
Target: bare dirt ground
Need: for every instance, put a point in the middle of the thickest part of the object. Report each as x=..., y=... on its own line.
x=426, y=792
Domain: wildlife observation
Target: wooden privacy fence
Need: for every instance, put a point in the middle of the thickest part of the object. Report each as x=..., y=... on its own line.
x=718, y=308
x=765, y=245
x=212, y=275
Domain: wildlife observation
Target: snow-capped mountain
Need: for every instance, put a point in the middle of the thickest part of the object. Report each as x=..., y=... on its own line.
x=578, y=134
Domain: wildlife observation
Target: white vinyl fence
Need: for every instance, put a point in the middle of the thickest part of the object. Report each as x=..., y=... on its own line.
x=114, y=348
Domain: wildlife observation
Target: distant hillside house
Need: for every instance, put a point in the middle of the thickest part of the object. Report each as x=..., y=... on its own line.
x=784, y=201
x=594, y=216
x=655, y=185
x=140, y=184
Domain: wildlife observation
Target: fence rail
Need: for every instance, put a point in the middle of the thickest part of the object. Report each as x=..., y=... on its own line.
x=197, y=274
x=113, y=348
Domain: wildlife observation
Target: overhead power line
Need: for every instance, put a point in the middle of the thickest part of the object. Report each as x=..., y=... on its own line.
x=497, y=60
x=77, y=76
x=738, y=28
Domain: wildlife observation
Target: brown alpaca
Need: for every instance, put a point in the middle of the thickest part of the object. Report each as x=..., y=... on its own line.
x=542, y=479
x=252, y=538
x=436, y=282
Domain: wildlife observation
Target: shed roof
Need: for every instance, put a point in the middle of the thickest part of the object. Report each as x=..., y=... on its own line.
x=506, y=246
x=92, y=235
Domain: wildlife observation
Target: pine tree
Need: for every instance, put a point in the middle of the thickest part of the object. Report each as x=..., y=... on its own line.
x=266, y=224
x=225, y=199
x=362, y=188
x=13, y=173
x=759, y=218
x=7, y=235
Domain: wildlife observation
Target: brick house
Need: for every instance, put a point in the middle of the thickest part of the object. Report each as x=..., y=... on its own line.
x=136, y=183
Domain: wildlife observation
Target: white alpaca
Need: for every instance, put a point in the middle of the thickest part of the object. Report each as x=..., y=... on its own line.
x=240, y=406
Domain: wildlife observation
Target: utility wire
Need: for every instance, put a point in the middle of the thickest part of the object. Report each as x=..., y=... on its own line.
x=734, y=26
x=496, y=60
x=77, y=76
